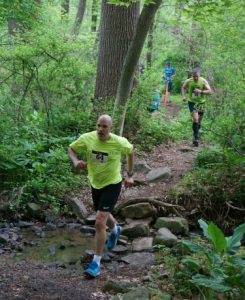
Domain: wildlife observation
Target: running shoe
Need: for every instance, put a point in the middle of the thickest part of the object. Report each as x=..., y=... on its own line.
x=195, y=143
x=113, y=238
x=93, y=269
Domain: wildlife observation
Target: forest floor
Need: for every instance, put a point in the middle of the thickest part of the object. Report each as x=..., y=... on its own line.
x=27, y=280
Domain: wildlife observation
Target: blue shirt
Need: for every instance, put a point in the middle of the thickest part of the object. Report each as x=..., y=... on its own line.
x=168, y=72
x=157, y=96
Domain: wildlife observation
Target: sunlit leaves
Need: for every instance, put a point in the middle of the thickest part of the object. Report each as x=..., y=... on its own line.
x=202, y=10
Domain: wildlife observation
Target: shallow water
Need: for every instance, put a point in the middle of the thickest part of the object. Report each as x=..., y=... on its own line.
x=65, y=246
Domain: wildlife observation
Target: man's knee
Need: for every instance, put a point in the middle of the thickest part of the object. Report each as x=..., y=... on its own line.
x=195, y=117
x=101, y=219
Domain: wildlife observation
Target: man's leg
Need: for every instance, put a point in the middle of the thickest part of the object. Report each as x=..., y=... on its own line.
x=102, y=219
x=200, y=116
x=195, y=127
x=111, y=221
x=93, y=269
x=100, y=234
x=170, y=86
x=165, y=97
x=104, y=201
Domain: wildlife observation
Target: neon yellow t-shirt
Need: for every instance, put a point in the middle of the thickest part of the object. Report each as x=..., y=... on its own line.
x=103, y=157
x=196, y=98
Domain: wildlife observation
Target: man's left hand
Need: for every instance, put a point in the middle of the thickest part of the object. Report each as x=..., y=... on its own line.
x=197, y=91
x=128, y=182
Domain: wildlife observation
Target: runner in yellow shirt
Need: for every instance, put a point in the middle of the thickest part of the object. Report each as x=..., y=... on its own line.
x=198, y=88
x=103, y=162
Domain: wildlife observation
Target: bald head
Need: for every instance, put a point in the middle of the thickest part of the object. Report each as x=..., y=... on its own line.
x=104, y=127
x=105, y=118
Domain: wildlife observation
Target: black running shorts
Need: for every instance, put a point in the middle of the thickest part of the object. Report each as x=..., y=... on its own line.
x=199, y=108
x=105, y=199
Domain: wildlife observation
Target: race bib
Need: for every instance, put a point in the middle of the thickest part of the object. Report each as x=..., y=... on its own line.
x=100, y=157
x=196, y=96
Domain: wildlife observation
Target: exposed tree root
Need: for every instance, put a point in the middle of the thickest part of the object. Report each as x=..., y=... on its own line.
x=153, y=200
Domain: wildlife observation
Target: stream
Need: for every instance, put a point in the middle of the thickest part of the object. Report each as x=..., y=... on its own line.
x=63, y=246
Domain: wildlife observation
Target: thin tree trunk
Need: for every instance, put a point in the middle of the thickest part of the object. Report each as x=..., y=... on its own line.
x=150, y=45
x=94, y=17
x=79, y=18
x=130, y=64
x=65, y=7
x=14, y=27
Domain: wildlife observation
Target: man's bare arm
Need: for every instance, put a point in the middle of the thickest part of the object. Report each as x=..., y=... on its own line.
x=184, y=89
x=79, y=164
x=130, y=163
x=129, y=181
x=207, y=89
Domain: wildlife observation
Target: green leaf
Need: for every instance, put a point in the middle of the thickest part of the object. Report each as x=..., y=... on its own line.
x=217, y=273
x=192, y=264
x=204, y=227
x=214, y=259
x=217, y=237
x=237, y=280
x=192, y=247
x=210, y=282
x=8, y=165
x=233, y=242
x=237, y=261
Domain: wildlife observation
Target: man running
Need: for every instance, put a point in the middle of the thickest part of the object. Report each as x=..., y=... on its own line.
x=168, y=76
x=103, y=161
x=197, y=88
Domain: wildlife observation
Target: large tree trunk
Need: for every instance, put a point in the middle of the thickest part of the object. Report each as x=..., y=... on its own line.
x=130, y=64
x=116, y=32
x=79, y=18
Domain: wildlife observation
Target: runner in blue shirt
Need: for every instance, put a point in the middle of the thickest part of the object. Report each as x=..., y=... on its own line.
x=168, y=76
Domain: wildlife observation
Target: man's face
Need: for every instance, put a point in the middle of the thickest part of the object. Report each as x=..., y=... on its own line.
x=103, y=128
x=196, y=76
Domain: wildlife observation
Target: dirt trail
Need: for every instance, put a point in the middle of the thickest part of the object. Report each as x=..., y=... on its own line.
x=27, y=280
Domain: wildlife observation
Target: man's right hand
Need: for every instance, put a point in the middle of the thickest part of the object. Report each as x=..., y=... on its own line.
x=79, y=164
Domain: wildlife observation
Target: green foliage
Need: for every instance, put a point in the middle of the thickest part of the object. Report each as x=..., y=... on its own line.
x=37, y=164
x=200, y=9
x=215, y=186
x=51, y=179
x=212, y=269
x=153, y=132
x=234, y=241
x=217, y=237
x=210, y=158
x=46, y=89
x=47, y=83
x=24, y=12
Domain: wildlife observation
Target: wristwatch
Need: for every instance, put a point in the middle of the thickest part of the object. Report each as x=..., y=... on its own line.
x=130, y=174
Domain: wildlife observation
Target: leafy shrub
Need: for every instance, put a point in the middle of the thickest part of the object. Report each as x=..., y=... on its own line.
x=151, y=133
x=214, y=268
x=46, y=179
x=36, y=165
x=208, y=158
